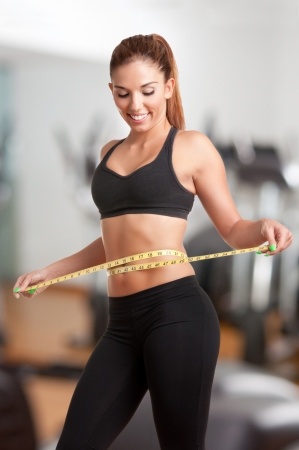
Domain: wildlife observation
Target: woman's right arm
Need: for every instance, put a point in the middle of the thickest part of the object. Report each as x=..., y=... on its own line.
x=89, y=256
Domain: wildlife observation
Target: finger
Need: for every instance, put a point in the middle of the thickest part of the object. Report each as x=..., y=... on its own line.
x=17, y=287
x=285, y=239
x=272, y=246
x=30, y=293
x=16, y=293
x=22, y=284
x=271, y=238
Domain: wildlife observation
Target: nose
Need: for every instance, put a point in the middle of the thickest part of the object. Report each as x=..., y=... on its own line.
x=136, y=103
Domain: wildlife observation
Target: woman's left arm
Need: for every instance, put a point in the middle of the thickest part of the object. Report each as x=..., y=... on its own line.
x=211, y=186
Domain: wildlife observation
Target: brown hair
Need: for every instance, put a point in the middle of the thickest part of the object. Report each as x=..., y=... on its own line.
x=156, y=49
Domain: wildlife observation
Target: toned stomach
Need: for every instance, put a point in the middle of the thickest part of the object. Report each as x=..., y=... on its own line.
x=137, y=233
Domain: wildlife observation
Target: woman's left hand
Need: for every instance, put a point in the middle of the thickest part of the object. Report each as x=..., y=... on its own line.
x=278, y=236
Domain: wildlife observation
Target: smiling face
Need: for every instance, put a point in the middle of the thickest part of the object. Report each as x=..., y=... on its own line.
x=140, y=93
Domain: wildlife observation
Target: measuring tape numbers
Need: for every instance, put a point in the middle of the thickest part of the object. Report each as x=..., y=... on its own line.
x=119, y=266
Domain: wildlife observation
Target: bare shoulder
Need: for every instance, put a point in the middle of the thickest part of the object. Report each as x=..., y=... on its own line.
x=107, y=147
x=196, y=145
x=193, y=138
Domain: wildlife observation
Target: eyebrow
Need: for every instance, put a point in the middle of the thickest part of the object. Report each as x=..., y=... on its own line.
x=143, y=86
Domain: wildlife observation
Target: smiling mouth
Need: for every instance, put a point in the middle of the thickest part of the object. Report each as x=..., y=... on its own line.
x=138, y=117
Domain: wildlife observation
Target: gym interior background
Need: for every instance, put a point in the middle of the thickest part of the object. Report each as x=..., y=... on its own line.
x=239, y=70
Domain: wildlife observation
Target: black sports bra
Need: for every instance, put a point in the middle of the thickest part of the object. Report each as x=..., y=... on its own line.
x=152, y=189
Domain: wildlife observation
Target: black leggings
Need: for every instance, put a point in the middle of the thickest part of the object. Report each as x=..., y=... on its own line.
x=165, y=339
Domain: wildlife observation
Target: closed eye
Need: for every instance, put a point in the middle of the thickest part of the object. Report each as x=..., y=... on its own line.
x=144, y=93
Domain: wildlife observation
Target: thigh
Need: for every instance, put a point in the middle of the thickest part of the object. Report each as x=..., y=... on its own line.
x=180, y=360
x=107, y=395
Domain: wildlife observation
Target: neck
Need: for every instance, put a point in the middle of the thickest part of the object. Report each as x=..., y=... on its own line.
x=144, y=137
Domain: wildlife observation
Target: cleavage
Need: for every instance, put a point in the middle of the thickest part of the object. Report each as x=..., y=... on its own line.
x=125, y=164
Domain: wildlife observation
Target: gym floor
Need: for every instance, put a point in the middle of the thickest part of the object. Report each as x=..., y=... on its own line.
x=53, y=331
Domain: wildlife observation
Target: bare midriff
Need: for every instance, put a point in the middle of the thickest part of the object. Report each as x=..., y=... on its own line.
x=138, y=233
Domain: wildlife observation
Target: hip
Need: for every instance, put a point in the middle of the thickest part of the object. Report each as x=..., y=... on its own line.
x=181, y=303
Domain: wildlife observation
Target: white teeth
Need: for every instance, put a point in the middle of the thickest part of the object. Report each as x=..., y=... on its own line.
x=143, y=116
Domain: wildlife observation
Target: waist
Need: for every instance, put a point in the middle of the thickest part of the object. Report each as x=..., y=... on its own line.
x=130, y=282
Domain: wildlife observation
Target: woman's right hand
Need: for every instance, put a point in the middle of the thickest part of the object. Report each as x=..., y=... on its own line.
x=31, y=279
x=89, y=256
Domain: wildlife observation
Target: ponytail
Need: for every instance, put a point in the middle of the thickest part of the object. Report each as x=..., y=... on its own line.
x=155, y=48
x=174, y=112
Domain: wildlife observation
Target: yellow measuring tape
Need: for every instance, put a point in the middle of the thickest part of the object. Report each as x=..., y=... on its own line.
x=118, y=266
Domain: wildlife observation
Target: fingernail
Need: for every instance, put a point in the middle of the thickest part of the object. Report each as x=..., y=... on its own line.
x=258, y=253
x=266, y=255
x=17, y=289
x=272, y=247
x=31, y=291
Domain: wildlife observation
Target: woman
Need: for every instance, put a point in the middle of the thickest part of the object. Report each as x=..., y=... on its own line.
x=163, y=332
